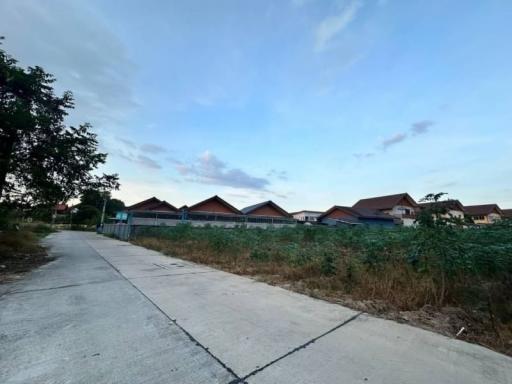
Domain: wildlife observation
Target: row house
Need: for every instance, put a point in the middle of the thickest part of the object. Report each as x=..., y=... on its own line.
x=401, y=206
x=350, y=216
x=213, y=211
x=484, y=214
x=386, y=211
x=453, y=209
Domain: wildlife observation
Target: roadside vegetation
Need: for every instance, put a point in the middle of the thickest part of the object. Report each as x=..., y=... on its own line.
x=43, y=162
x=439, y=275
x=20, y=250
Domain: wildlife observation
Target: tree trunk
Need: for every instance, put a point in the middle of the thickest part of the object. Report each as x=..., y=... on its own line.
x=6, y=149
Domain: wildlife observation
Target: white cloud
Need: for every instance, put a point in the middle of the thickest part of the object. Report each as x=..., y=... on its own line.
x=333, y=25
x=74, y=43
x=208, y=169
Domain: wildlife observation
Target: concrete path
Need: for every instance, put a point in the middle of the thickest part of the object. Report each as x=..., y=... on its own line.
x=109, y=312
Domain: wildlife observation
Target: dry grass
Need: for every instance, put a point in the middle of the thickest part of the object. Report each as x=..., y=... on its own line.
x=393, y=290
x=20, y=252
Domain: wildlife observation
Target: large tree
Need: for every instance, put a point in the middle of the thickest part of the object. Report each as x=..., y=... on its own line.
x=42, y=161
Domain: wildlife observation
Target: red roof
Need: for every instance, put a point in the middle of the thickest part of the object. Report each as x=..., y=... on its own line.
x=447, y=204
x=385, y=202
x=249, y=210
x=152, y=204
x=483, y=210
x=216, y=199
x=61, y=207
x=363, y=213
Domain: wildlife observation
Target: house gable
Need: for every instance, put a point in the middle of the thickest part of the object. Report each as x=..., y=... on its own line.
x=406, y=202
x=384, y=203
x=267, y=208
x=144, y=205
x=164, y=206
x=214, y=205
x=338, y=213
x=483, y=210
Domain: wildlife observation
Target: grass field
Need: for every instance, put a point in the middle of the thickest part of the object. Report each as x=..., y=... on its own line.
x=440, y=277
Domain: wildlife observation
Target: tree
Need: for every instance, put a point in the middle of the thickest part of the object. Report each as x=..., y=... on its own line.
x=42, y=161
x=95, y=198
x=86, y=214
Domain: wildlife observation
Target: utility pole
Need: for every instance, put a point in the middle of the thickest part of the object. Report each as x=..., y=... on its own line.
x=71, y=212
x=103, y=210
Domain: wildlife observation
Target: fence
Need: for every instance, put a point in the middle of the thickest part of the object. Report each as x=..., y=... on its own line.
x=148, y=219
x=121, y=231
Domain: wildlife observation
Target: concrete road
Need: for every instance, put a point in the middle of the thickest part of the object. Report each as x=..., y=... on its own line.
x=109, y=312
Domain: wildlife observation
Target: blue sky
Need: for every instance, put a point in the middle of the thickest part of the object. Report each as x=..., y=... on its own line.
x=309, y=103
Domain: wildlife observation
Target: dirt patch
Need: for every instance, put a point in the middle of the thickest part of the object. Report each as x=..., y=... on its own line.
x=13, y=267
x=20, y=252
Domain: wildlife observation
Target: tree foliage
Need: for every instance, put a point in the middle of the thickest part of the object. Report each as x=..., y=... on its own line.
x=91, y=205
x=42, y=161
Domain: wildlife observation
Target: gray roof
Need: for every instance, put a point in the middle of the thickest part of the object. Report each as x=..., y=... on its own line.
x=251, y=208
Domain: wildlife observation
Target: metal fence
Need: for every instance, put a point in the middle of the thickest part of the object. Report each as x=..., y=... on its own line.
x=119, y=230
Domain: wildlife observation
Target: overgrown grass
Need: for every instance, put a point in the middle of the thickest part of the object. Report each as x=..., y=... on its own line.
x=18, y=242
x=20, y=250
x=404, y=268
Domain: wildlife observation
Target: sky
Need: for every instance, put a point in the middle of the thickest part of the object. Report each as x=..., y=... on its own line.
x=309, y=103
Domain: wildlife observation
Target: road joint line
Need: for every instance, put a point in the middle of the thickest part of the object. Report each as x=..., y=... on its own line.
x=171, y=274
x=293, y=351
x=59, y=287
x=195, y=341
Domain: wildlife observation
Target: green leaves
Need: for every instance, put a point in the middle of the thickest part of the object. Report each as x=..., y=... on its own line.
x=42, y=161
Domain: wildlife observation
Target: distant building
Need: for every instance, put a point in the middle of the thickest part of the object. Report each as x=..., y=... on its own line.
x=61, y=209
x=214, y=211
x=152, y=211
x=401, y=206
x=484, y=214
x=306, y=216
x=350, y=216
x=267, y=212
x=507, y=213
x=266, y=209
x=152, y=204
x=454, y=208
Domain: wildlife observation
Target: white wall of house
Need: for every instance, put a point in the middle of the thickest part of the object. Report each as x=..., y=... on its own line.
x=487, y=219
x=493, y=217
x=401, y=210
x=408, y=222
x=307, y=216
x=404, y=212
x=452, y=213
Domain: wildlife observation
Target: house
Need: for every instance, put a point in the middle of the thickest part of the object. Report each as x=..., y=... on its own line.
x=484, y=214
x=350, y=216
x=401, y=206
x=306, y=216
x=507, y=213
x=61, y=209
x=153, y=211
x=214, y=211
x=453, y=208
x=152, y=204
x=267, y=212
